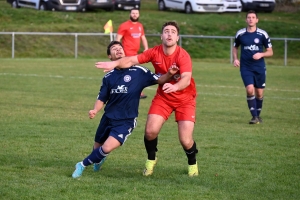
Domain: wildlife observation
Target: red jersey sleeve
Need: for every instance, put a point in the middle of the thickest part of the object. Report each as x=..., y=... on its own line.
x=122, y=29
x=146, y=56
x=184, y=61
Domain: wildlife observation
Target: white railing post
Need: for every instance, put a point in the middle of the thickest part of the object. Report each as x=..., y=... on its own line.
x=231, y=58
x=285, y=51
x=180, y=40
x=76, y=45
x=13, y=45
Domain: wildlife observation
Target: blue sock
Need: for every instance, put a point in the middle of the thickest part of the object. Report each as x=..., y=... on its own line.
x=252, y=105
x=259, y=103
x=95, y=157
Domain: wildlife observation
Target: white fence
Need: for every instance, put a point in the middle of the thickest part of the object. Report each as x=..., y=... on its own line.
x=182, y=37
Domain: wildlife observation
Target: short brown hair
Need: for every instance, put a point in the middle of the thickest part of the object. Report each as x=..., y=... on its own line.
x=251, y=12
x=170, y=24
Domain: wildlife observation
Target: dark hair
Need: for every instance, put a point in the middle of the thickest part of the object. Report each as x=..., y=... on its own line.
x=170, y=24
x=250, y=12
x=111, y=44
x=134, y=9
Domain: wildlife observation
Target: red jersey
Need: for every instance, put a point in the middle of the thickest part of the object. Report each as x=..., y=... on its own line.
x=162, y=63
x=132, y=33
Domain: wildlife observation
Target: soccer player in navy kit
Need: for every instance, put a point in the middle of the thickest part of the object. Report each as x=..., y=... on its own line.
x=120, y=91
x=253, y=40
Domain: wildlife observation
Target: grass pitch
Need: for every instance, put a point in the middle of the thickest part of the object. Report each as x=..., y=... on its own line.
x=45, y=131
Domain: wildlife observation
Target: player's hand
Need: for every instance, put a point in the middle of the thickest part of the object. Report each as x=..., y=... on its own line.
x=92, y=114
x=257, y=56
x=106, y=66
x=168, y=88
x=236, y=63
x=173, y=69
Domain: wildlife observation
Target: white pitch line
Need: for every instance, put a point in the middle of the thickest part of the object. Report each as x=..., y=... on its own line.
x=235, y=95
x=152, y=88
x=222, y=86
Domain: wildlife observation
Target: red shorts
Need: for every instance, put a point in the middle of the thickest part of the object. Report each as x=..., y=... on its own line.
x=184, y=110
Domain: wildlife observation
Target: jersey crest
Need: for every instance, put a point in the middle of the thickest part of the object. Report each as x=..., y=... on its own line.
x=127, y=78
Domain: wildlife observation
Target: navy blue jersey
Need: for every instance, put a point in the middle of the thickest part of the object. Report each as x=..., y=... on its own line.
x=252, y=43
x=121, y=90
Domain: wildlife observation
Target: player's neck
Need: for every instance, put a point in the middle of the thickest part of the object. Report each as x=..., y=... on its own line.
x=169, y=50
x=251, y=29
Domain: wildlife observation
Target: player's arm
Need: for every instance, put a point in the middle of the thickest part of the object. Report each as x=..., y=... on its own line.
x=185, y=80
x=97, y=107
x=236, y=61
x=267, y=53
x=166, y=77
x=124, y=62
x=145, y=42
x=119, y=37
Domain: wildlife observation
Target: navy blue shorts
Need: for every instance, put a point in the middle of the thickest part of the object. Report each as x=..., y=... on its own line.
x=119, y=129
x=258, y=79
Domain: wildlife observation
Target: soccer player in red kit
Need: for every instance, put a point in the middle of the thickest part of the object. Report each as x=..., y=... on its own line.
x=131, y=33
x=178, y=95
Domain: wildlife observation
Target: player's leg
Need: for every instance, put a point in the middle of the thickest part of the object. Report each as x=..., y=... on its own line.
x=97, y=145
x=100, y=137
x=251, y=101
x=118, y=134
x=97, y=166
x=185, y=132
x=152, y=129
x=153, y=126
x=260, y=83
x=248, y=79
x=158, y=113
x=185, y=117
x=259, y=97
x=96, y=156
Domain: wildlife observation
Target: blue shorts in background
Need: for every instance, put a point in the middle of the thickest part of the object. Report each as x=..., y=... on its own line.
x=258, y=79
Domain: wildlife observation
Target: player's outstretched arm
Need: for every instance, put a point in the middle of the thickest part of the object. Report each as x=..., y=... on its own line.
x=124, y=62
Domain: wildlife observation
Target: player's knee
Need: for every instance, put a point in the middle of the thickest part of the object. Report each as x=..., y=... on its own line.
x=150, y=134
x=186, y=143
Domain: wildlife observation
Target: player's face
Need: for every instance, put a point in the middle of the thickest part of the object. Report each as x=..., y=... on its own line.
x=169, y=36
x=251, y=20
x=116, y=52
x=134, y=15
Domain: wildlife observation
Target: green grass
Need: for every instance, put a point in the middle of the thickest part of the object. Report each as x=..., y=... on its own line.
x=277, y=24
x=45, y=131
